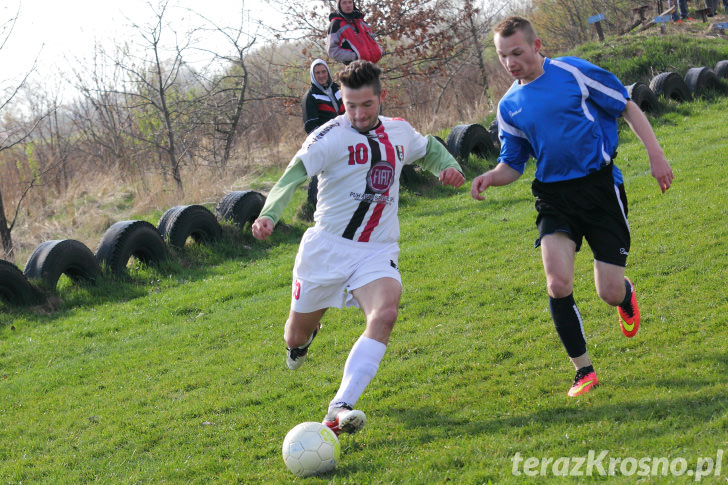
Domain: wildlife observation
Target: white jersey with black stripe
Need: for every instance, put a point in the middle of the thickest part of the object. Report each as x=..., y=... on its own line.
x=358, y=176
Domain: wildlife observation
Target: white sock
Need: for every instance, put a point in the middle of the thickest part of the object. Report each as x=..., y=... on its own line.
x=361, y=367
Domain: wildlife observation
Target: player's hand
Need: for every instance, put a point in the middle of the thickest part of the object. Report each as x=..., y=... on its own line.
x=480, y=183
x=451, y=176
x=262, y=228
x=661, y=170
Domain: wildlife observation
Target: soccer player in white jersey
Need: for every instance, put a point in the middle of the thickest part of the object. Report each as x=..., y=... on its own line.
x=350, y=255
x=564, y=113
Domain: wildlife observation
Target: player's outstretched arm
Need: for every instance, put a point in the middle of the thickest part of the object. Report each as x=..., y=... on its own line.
x=451, y=176
x=439, y=162
x=640, y=125
x=502, y=174
x=262, y=228
x=278, y=198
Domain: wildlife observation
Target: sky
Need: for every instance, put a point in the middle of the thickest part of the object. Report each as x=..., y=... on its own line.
x=59, y=33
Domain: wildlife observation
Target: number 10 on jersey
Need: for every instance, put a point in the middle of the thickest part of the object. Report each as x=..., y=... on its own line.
x=358, y=154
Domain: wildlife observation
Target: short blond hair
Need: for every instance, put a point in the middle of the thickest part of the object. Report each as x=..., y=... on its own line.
x=509, y=26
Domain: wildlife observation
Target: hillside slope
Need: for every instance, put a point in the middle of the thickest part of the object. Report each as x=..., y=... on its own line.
x=640, y=56
x=178, y=375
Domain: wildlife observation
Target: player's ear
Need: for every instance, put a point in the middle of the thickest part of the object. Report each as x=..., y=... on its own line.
x=537, y=44
x=382, y=94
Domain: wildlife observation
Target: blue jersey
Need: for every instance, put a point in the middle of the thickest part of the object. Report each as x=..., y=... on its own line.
x=566, y=119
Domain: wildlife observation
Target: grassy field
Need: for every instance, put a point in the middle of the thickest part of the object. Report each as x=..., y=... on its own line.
x=177, y=374
x=633, y=61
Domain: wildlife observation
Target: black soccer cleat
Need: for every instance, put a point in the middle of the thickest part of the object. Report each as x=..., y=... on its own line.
x=295, y=356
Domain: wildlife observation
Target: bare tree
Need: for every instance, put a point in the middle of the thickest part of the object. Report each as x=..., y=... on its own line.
x=225, y=92
x=434, y=49
x=416, y=34
x=155, y=92
x=49, y=146
x=10, y=138
x=100, y=118
x=12, y=132
x=470, y=42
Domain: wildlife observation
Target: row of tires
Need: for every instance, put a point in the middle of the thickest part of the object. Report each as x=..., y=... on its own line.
x=476, y=139
x=461, y=142
x=122, y=241
x=671, y=85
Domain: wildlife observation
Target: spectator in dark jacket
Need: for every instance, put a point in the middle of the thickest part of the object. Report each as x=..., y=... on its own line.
x=713, y=6
x=322, y=102
x=349, y=37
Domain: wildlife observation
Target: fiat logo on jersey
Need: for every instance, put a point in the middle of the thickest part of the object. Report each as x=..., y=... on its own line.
x=380, y=177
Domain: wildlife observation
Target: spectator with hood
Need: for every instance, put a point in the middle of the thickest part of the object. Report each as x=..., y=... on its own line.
x=349, y=37
x=322, y=102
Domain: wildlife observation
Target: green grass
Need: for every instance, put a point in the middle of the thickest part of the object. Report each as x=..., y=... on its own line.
x=177, y=374
x=633, y=61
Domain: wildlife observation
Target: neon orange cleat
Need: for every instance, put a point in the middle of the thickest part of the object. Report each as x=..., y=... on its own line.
x=585, y=381
x=629, y=318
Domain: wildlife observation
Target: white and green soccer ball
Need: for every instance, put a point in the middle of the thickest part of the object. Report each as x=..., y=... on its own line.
x=311, y=448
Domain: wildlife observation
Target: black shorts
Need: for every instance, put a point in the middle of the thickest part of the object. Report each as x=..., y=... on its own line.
x=590, y=207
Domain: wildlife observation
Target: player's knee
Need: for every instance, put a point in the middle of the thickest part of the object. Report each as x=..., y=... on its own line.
x=294, y=337
x=611, y=295
x=559, y=288
x=290, y=338
x=385, y=316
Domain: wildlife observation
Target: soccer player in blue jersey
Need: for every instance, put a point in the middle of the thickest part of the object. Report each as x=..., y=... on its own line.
x=564, y=113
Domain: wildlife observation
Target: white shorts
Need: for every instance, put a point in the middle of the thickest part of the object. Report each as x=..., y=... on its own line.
x=328, y=268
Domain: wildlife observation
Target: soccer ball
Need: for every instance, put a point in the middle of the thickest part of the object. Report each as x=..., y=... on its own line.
x=311, y=448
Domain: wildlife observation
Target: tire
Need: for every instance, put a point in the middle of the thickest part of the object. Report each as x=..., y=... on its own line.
x=15, y=287
x=493, y=132
x=130, y=238
x=52, y=259
x=670, y=85
x=312, y=196
x=408, y=176
x=186, y=221
x=701, y=79
x=466, y=139
x=413, y=176
x=163, y=225
x=721, y=69
x=643, y=96
x=241, y=207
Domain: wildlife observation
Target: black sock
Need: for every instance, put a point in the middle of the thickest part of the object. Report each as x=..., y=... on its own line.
x=567, y=321
x=585, y=370
x=627, y=302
